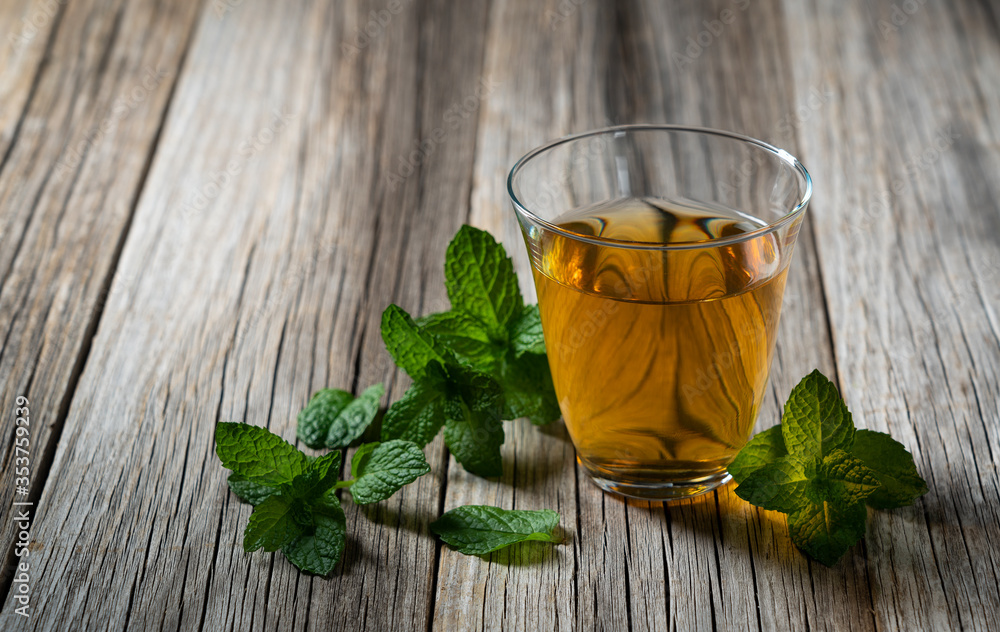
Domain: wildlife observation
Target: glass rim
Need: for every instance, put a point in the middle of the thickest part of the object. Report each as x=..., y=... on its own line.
x=777, y=152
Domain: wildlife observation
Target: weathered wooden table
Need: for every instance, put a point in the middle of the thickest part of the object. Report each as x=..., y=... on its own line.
x=205, y=207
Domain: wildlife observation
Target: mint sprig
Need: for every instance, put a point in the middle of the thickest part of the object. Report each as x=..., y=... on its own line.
x=819, y=470
x=479, y=529
x=296, y=508
x=472, y=366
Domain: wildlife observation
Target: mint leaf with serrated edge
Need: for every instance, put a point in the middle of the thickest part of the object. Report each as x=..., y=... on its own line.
x=319, y=551
x=248, y=491
x=780, y=485
x=473, y=431
x=334, y=418
x=526, y=332
x=766, y=447
x=894, y=467
x=474, y=440
x=361, y=456
x=826, y=530
x=412, y=348
x=319, y=477
x=479, y=529
x=272, y=525
x=843, y=479
x=816, y=420
x=464, y=335
x=257, y=454
x=381, y=471
x=528, y=389
x=480, y=280
x=418, y=416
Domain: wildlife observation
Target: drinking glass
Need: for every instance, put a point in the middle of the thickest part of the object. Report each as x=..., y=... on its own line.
x=659, y=254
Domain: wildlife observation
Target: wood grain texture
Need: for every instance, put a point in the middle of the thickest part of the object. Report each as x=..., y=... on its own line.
x=301, y=165
x=905, y=158
x=85, y=87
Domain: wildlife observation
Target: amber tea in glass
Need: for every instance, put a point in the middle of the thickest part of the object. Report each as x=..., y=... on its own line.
x=659, y=257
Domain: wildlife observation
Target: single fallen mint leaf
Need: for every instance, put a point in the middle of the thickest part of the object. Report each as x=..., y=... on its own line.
x=480, y=529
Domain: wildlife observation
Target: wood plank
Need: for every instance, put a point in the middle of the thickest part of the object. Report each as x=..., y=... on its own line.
x=85, y=87
x=721, y=553
x=906, y=159
x=532, y=586
x=605, y=66
x=243, y=302
x=391, y=580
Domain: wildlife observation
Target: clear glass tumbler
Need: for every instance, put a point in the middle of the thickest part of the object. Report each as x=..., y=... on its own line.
x=659, y=254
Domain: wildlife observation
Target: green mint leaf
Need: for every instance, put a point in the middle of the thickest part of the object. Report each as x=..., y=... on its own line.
x=257, y=454
x=481, y=281
x=478, y=529
x=894, y=467
x=816, y=420
x=526, y=332
x=318, y=415
x=361, y=457
x=826, y=530
x=418, y=415
x=317, y=550
x=843, y=479
x=320, y=476
x=474, y=431
x=464, y=335
x=528, y=389
x=333, y=418
x=475, y=442
x=272, y=525
x=387, y=467
x=475, y=389
x=352, y=422
x=412, y=348
x=779, y=486
x=766, y=447
x=248, y=491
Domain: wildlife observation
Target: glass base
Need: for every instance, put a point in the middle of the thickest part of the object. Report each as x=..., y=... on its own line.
x=645, y=488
